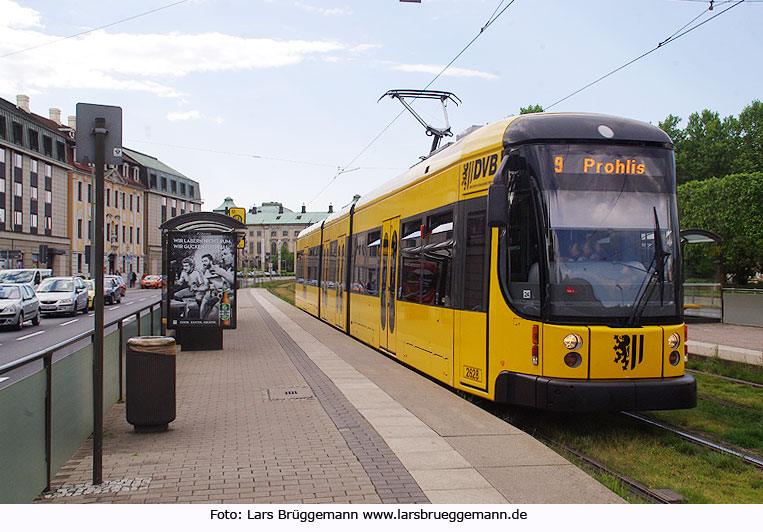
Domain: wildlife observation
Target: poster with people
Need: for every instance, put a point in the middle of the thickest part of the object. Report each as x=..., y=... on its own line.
x=201, y=279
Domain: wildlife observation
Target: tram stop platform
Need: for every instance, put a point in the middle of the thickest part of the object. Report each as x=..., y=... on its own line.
x=294, y=411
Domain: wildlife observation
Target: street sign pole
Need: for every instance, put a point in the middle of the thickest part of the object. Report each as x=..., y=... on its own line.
x=100, y=133
x=98, y=146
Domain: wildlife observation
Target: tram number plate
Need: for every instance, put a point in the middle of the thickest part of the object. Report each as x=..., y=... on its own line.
x=473, y=374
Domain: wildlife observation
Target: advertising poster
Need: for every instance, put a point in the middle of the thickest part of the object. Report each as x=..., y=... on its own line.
x=201, y=279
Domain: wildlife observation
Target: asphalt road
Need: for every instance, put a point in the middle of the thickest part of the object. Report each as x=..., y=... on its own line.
x=55, y=330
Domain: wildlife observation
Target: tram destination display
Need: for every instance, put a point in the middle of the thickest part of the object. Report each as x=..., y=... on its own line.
x=201, y=279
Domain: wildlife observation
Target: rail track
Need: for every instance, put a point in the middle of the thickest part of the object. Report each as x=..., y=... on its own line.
x=645, y=493
x=747, y=458
x=731, y=379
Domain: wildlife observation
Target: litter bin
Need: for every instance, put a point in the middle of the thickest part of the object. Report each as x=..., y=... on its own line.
x=150, y=382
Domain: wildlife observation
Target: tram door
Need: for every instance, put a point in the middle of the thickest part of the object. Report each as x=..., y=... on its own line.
x=339, y=318
x=390, y=244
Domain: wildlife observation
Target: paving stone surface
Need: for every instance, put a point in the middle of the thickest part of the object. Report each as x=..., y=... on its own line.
x=240, y=437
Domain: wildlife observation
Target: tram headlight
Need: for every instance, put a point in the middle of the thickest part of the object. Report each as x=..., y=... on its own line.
x=573, y=359
x=572, y=341
x=674, y=358
x=674, y=340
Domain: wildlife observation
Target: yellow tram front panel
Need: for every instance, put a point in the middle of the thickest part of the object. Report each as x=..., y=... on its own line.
x=555, y=351
x=626, y=353
x=669, y=370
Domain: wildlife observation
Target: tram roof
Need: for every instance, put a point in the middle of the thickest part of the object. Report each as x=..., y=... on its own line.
x=512, y=131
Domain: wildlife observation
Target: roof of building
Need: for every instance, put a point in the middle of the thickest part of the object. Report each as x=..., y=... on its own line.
x=227, y=204
x=152, y=162
x=274, y=213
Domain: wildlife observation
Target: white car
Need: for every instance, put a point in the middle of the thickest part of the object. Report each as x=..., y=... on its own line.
x=18, y=303
x=59, y=295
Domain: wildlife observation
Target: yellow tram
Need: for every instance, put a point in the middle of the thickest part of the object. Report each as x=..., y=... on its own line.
x=534, y=261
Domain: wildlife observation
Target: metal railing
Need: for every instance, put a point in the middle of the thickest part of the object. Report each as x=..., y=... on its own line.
x=46, y=356
x=706, y=294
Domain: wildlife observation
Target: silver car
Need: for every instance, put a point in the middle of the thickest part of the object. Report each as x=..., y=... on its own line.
x=18, y=303
x=62, y=295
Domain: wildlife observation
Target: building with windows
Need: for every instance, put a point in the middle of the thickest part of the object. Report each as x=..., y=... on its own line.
x=124, y=220
x=81, y=201
x=33, y=188
x=271, y=228
x=168, y=193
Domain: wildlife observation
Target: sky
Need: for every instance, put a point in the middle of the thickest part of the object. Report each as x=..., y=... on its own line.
x=278, y=100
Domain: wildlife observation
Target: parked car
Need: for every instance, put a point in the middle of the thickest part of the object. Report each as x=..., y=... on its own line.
x=151, y=281
x=118, y=279
x=62, y=295
x=90, y=284
x=18, y=303
x=112, y=291
x=33, y=276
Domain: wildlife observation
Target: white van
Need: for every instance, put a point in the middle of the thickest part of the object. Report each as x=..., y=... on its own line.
x=33, y=276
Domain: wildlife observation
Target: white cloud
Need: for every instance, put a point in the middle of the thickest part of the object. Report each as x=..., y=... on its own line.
x=325, y=11
x=452, y=71
x=16, y=16
x=187, y=115
x=145, y=63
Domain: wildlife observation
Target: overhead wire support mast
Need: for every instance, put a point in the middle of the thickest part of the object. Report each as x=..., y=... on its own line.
x=437, y=133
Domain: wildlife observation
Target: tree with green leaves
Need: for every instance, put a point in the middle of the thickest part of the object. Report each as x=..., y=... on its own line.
x=750, y=156
x=287, y=259
x=731, y=206
x=713, y=147
x=537, y=108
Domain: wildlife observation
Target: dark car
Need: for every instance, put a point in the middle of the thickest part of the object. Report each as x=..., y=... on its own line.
x=120, y=281
x=112, y=292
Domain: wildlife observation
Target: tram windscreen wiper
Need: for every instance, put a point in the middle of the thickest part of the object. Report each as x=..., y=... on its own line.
x=656, y=270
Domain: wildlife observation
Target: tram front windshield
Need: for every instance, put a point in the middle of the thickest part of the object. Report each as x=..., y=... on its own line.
x=602, y=208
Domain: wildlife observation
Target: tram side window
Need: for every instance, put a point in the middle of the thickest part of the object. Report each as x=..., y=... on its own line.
x=300, y=267
x=426, y=262
x=365, y=271
x=409, y=284
x=474, y=278
x=314, y=254
x=331, y=273
x=523, y=251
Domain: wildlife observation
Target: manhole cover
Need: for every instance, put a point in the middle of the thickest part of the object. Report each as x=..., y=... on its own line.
x=284, y=393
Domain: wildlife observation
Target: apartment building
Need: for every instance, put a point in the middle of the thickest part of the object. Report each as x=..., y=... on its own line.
x=168, y=193
x=33, y=188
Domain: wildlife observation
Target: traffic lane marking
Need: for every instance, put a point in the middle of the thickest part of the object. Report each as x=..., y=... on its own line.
x=129, y=303
x=29, y=335
x=68, y=322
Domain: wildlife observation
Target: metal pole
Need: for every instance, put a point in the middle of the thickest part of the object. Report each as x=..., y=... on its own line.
x=47, y=363
x=100, y=133
x=121, y=356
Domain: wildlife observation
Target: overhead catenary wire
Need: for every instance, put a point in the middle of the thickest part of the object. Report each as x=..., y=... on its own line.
x=110, y=24
x=253, y=156
x=493, y=17
x=677, y=35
